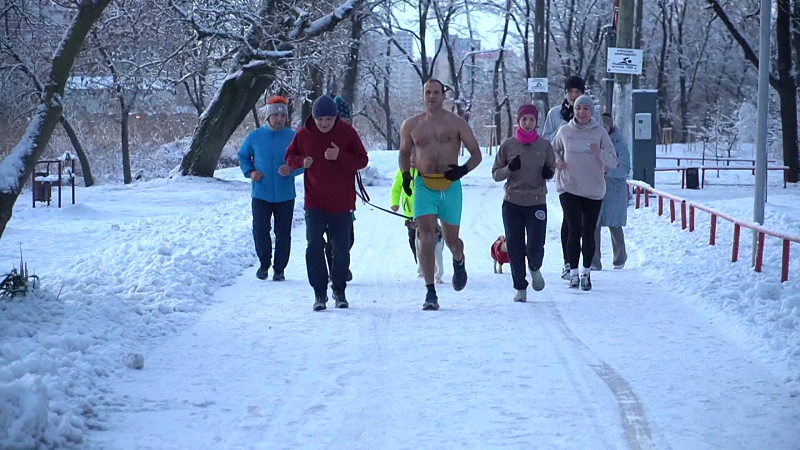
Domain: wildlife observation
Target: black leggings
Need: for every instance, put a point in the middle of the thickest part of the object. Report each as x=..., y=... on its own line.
x=581, y=215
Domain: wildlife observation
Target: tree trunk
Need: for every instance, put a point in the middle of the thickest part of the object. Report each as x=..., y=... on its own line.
x=622, y=82
x=26, y=153
x=637, y=38
x=788, y=88
x=661, y=84
x=223, y=115
x=539, y=57
x=86, y=170
x=796, y=34
x=255, y=116
x=126, y=150
x=353, y=58
x=314, y=86
x=785, y=84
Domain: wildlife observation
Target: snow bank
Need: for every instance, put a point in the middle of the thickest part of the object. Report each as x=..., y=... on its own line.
x=145, y=279
x=758, y=310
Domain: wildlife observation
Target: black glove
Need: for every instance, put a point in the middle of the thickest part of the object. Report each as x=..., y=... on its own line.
x=407, y=183
x=547, y=172
x=455, y=172
x=515, y=164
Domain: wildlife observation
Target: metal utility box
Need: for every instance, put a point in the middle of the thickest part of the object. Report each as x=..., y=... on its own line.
x=643, y=154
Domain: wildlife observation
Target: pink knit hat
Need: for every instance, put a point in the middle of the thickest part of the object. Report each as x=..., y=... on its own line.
x=527, y=109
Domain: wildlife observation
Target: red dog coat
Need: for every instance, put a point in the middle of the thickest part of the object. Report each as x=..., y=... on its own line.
x=497, y=254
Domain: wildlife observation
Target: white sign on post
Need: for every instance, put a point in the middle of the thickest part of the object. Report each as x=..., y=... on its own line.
x=537, y=84
x=624, y=60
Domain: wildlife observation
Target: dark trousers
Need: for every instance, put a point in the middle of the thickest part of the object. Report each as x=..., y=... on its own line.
x=329, y=246
x=581, y=214
x=521, y=222
x=339, y=227
x=564, y=238
x=263, y=212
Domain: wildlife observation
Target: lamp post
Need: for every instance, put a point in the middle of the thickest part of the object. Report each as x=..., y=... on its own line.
x=759, y=197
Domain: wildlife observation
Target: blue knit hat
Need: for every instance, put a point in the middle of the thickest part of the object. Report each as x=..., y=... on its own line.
x=342, y=107
x=324, y=106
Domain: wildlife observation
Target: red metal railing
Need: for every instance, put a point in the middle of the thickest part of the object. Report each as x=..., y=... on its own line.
x=641, y=187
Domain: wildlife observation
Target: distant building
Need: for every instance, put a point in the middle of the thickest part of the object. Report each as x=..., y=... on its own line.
x=461, y=50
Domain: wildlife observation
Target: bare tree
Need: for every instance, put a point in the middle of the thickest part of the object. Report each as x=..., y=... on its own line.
x=267, y=44
x=784, y=82
x=20, y=163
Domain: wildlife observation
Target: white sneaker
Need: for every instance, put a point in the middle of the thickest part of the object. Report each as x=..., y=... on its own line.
x=537, y=280
x=521, y=296
x=619, y=266
x=574, y=281
x=565, y=272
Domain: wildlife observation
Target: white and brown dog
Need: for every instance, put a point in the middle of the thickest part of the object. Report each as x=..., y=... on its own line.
x=499, y=252
x=438, y=247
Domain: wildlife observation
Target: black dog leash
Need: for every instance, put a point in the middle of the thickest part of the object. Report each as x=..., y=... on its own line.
x=364, y=196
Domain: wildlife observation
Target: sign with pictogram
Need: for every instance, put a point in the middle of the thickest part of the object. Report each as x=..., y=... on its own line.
x=537, y=84
x=624, y=60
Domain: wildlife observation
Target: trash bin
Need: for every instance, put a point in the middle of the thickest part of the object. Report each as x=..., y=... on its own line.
x=42, y=190
x=692, y=178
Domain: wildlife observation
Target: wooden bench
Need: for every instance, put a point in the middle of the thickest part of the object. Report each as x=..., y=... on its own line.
x=752, y=169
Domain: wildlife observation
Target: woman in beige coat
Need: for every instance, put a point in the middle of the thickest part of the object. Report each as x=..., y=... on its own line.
x=583, y=153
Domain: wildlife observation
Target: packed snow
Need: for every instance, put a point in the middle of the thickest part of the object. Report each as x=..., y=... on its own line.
x=150, y=330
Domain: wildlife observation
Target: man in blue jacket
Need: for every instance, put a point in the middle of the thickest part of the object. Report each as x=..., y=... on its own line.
x=261, y=159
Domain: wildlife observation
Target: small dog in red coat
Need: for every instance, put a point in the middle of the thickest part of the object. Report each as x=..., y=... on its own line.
x=499, y=254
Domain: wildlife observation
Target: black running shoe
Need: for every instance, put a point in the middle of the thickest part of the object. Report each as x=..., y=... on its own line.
x=459, y=275
x=263, y=272
x=341, y=300
x=320, y=302
x=431, y=301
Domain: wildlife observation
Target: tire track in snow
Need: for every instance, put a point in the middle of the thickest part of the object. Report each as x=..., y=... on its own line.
x=634, y=421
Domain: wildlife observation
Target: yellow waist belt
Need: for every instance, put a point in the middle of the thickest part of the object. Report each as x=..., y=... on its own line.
x=435, y=181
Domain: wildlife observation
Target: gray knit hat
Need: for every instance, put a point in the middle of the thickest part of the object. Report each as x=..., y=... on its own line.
x=586, y=101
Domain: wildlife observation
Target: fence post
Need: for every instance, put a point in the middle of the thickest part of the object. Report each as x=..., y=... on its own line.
x=713, y=239
x=691, y=218
x=735, y=255
x=638, y=195
x=759, y=251
x=671, y=210
x=683, y=215
x=660, y=205
x=785, y=261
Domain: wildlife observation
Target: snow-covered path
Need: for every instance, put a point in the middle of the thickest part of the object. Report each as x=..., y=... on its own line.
x=627, y=365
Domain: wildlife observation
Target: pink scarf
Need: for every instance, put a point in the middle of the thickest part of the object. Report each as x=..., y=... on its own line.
x=525, y=137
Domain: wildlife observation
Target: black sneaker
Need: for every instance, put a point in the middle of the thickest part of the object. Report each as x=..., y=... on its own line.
x=341, y=300
x=459, y=275
x=320, y=302
x=263, y=272
x=431, y=302
x=278, y=276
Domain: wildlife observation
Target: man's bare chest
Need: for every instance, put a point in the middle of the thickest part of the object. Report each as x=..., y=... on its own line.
x=426, y=134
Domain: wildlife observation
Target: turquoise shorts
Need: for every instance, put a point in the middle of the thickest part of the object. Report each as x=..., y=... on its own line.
x=445, y=204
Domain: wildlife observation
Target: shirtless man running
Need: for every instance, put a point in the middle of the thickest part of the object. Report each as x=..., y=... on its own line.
x=437, y=135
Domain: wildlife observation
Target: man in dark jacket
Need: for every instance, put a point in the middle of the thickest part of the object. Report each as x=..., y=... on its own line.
x=331, y=152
